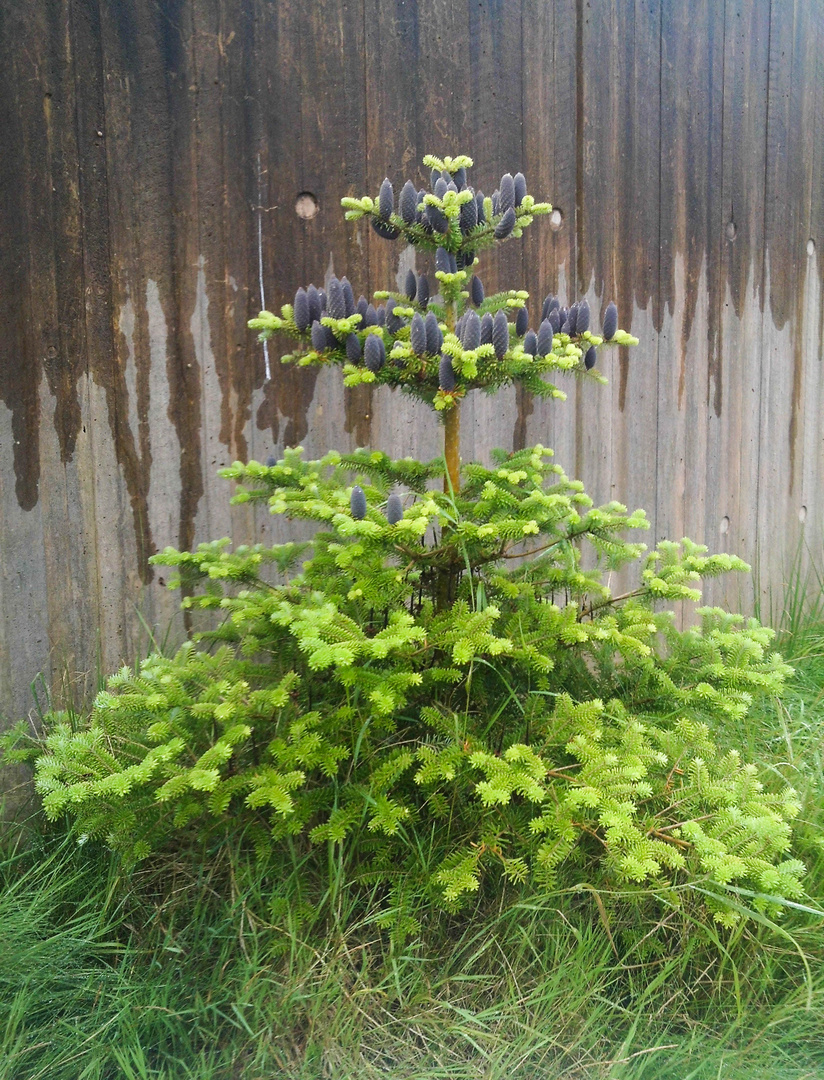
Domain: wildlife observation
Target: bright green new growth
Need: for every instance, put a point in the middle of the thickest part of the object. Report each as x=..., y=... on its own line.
x=461, y=676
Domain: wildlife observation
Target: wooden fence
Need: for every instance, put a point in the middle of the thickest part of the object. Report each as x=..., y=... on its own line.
x=151, y=157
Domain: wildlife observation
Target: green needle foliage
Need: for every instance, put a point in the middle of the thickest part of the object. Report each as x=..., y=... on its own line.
x=444, y=666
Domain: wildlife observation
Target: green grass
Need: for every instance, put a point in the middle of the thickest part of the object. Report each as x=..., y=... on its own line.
x=219, y=969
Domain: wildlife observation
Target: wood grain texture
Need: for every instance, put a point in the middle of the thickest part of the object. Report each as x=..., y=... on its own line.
x=152, y=156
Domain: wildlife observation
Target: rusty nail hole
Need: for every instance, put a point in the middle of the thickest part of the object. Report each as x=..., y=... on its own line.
x=802, y=514
x=725, y=525
x=51, y=352
x=556, y=219
x=730, y=230
x=811, y=246
x=306, y=205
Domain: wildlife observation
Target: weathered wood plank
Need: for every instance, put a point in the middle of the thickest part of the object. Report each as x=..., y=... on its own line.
x=54, y=571
x=690, y=365
x=494, y=113
x=683, y=145
x=550, y=158
x=746, y=51
x=396, y=62
x=790, y=361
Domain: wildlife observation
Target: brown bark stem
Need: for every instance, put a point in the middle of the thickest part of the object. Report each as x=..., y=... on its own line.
x=451, y=449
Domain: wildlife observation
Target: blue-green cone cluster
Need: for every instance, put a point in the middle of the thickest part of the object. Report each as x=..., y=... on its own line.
x=401, y=338
x=451, y=213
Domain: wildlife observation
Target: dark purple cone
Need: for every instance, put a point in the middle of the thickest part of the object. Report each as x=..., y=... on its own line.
x=610, y=323
x=486, y=329
x=572, y=319
x=408, y=202
x=353, y=348
x=411, y=284
x=301, y=306
x=500, y=334
x=469, y=258
x=453, y=263
x=331, y=341
x=476, y=290
x=362, y=306
x=437, y=219
x=469, y=216
x=554, y=319
x=322, y=298
x=434, y=337
x=440, y=187
x=531, y=343
x=471, y=336
x=545, y=308
x=520, y=188
x=336, y=301
x=393, y=322
x=589, y=358
x=380, y=315
x=371, y=316
x=460, y=178
x=505, y=225
x=567, y=326
x=386, y=200
x=318, y=337
x=382, y=228
x=507, y=195
x=521, y=321
x=423, y=290
x=452, y=186
x=459, y=327
x=479, y=202
x=313, y=298
x=357, y=503
x=442, y=262
x=562, y=314
x=544, y=339
x=461, y=258
x=434, y=177
x=270, y=461
x=417, y=334
x=394, y=509
x=348, y=296
x=496, y=203
x=582, y=320
x=446, y=374
x=374, y=353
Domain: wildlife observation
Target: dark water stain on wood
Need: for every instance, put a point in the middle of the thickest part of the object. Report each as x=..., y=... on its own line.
x=105, y=366
x=288, y=394
x=19, y=362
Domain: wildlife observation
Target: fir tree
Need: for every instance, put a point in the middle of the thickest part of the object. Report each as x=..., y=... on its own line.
x=443, y=659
